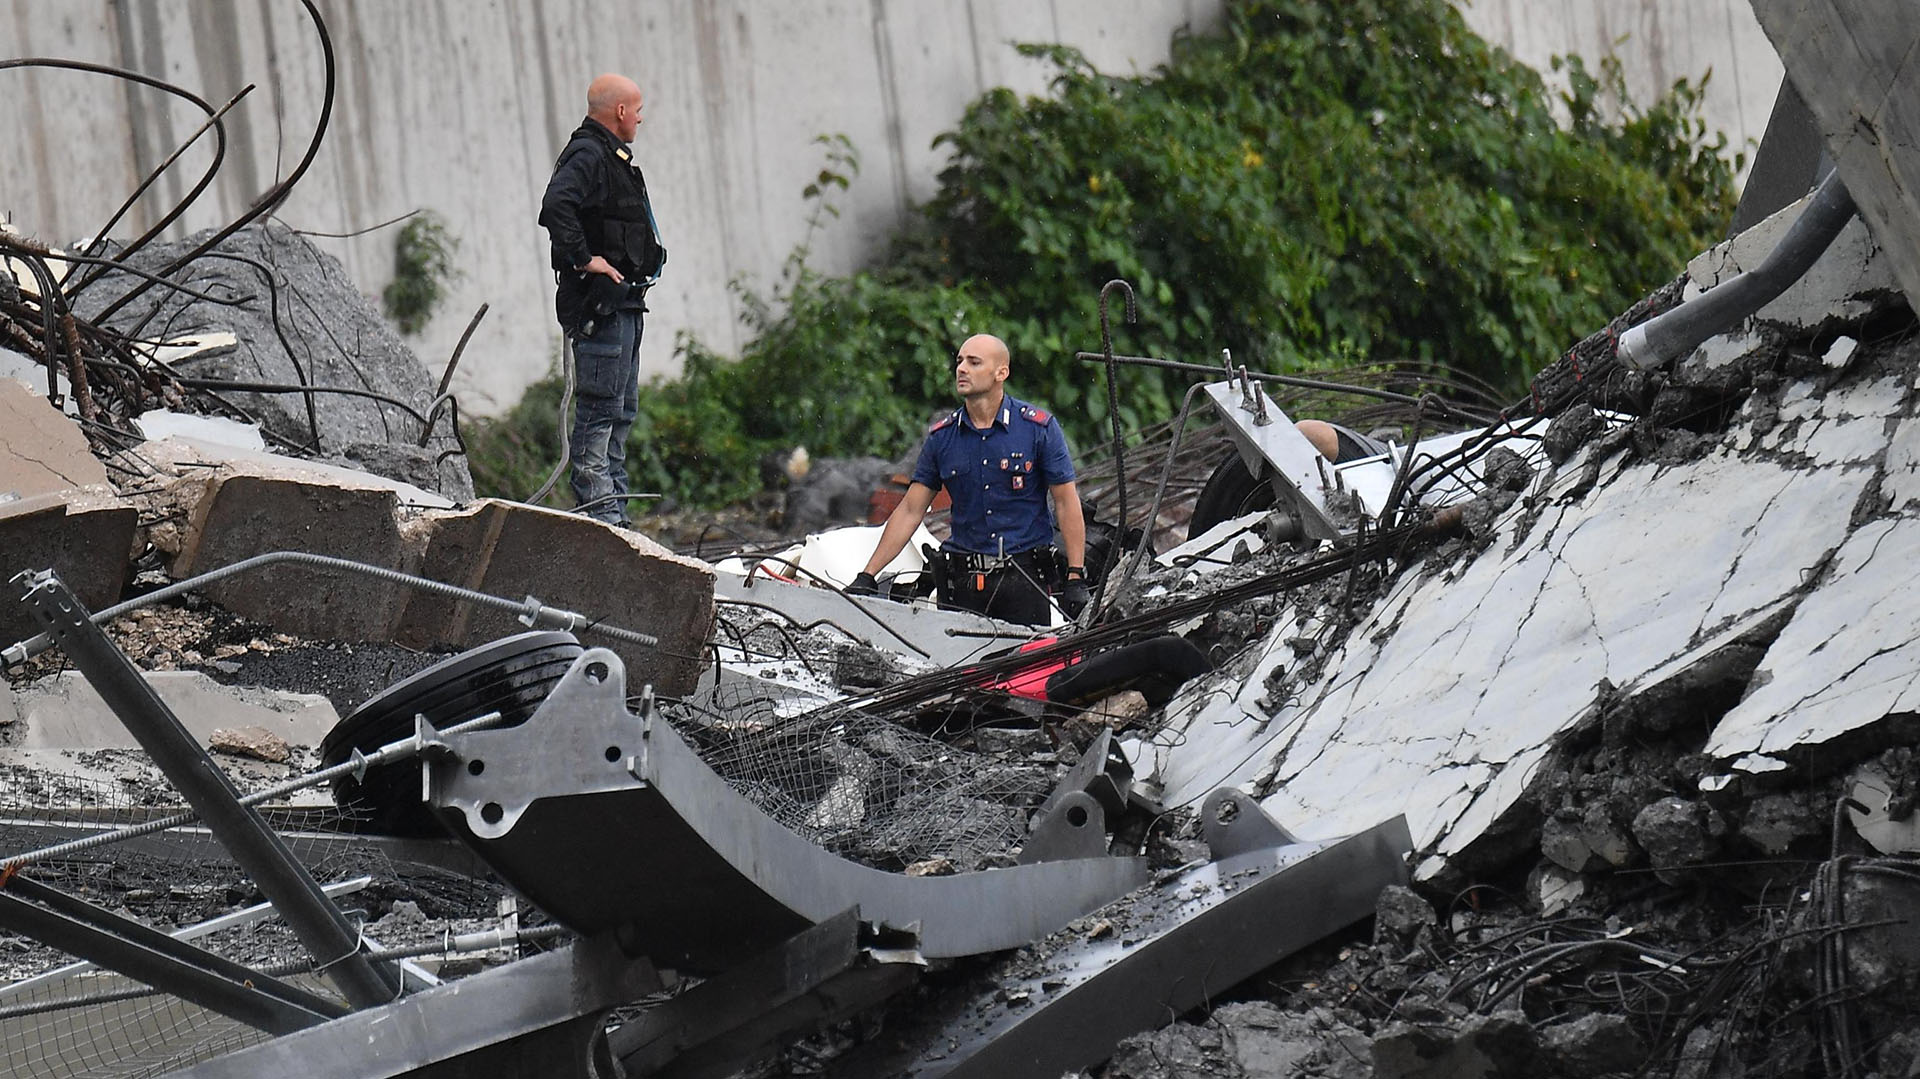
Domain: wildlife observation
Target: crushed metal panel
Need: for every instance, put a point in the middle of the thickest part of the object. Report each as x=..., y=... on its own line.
x=690, y=872
x=1169, y=949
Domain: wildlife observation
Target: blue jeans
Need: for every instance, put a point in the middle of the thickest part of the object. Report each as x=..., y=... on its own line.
x=607, y=397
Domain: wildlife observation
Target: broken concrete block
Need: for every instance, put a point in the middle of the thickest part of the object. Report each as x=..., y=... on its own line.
x=611, y=574
x=1563, y=843
x=1675, y=832
x=1551, y=889
x=41, y=451
x=1882, y=948
x=1400, y=914
x=257, y=743
x=1120, y=711
x=84, y=536
x=253, y=507
x=1265, y=1041
x=1852, y=65
x=1594, y=1045
x=1501, y=1044
x=65, y=712
x=1776, y=823
x=1873, y=816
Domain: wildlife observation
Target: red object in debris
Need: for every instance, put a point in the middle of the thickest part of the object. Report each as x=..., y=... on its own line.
x=1031, y=682
x=880, y=505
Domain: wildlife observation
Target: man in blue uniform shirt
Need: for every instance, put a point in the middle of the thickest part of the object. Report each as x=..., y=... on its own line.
x=998, y=458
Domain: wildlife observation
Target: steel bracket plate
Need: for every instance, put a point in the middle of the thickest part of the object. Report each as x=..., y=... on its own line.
x=1272, y=446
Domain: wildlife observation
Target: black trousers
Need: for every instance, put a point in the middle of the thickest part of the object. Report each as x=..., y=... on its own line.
x=1013, y=593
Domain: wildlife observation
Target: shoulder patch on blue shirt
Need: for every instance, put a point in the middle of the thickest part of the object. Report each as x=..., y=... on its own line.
x=1037, y=415
x=950, y=418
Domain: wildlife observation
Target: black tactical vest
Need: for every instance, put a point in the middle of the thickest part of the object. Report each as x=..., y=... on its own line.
x=621, y=231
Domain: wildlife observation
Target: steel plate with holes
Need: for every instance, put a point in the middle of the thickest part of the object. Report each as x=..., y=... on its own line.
x=1272, y=447
x=609, y=822
x=1156, y=953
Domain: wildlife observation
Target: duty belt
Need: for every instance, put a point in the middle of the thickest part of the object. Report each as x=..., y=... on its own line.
x=968, y=562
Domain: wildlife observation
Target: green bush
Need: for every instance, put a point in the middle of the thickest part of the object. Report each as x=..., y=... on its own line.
x=423, y=266
x=1324, y=180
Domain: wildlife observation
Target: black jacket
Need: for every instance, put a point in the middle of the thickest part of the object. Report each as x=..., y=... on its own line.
x=596, y=204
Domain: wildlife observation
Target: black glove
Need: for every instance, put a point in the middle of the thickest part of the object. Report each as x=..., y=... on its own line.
x=1075, y=596
x=863, y=585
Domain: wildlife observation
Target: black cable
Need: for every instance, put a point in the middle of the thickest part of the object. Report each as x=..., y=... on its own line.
x=144, y=80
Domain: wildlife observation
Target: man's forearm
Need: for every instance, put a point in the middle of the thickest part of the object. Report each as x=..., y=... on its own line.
x=900, y=525
x=1073, y=526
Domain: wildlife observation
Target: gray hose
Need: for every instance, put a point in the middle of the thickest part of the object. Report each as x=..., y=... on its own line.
x=530, y=610
x=1661, y=340
x=566, y=426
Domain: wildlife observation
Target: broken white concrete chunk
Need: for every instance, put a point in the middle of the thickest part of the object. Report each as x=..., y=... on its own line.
x=33, y=375
x=65, y=712
x=41, y=451
x=1204, y=546
x=159, y=423
x=1874, y=791
x=1553, y=889
x=1839, y=352
x=175, y=350
x=257, y=743
x=1721, y=350
x=1849, y=657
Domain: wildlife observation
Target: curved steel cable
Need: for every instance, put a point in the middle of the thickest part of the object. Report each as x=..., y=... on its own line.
x=145, y=80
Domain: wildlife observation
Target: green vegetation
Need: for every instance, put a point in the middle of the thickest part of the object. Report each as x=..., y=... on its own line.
x=423, y=266
x=1324, y=183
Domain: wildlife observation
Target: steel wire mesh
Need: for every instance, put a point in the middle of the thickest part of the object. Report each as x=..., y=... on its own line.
x=863, y=786
x=59, y=1018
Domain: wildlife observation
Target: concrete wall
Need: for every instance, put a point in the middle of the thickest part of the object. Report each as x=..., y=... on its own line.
x=1658, y=42
x=459, y=107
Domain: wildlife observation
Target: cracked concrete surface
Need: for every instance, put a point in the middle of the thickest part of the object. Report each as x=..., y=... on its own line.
x=43, y=450
x=1445, y=700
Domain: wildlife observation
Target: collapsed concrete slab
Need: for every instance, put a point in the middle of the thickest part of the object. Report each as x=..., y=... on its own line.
x=1854, y=66
x=41, y=451
x=618, y=576
x=85, y=536
x=1614, y=574
x=1855, y=266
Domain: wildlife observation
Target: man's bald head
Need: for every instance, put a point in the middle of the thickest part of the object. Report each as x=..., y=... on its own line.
x=980, y=367
x=614, y=101
x=989, y=346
